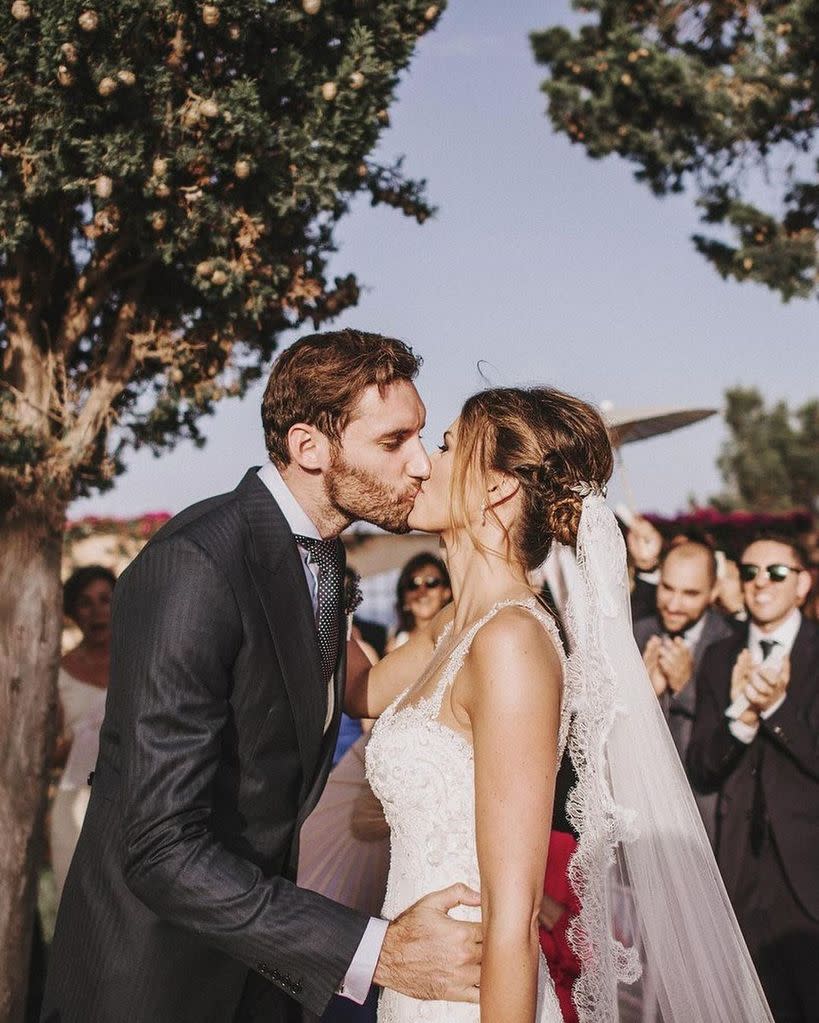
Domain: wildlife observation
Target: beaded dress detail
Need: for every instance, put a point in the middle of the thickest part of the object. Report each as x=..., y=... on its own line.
x=422, y=772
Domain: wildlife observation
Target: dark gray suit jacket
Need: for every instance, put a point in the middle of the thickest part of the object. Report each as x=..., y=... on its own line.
x=679, y=708
x=777, y=774
x=180, y=904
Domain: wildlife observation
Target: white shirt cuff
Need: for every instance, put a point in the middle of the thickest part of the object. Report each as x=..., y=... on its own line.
x=744, y=732
x=747, y=733
x=774, y=707
x=359, y=977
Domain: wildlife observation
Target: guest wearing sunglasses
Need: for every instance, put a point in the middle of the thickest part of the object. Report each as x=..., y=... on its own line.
x=423, y=589
x=755, y=741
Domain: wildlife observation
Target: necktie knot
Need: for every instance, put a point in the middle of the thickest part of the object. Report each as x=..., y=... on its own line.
x=323, y=553
x=767, y=646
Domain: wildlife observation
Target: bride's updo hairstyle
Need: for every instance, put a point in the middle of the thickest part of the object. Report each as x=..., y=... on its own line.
x=550, y=442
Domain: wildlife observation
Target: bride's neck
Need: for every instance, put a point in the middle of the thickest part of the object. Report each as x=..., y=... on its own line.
x=480, y=579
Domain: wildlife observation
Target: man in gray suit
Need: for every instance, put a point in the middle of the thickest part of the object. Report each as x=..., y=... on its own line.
x=227, y=677
x=674, y=640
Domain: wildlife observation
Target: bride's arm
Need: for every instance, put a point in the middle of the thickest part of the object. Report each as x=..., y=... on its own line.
x=371, y=688
x=511, y=694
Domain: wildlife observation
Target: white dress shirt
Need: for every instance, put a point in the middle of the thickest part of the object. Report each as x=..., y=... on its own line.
x=359, y=977
x=784, y=636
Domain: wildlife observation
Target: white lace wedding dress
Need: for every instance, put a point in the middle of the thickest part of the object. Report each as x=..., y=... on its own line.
x=422, y=771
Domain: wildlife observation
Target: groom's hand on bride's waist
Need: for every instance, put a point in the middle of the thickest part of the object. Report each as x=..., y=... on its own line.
x=426, y=954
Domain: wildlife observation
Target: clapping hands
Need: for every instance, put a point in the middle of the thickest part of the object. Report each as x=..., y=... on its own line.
x=761, y=685
x=669, y=663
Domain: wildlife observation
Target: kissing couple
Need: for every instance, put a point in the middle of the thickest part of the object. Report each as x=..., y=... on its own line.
x=230, y=669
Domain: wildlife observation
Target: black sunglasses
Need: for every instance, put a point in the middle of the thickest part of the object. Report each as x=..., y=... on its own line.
x=432, y=582
x=776, y=573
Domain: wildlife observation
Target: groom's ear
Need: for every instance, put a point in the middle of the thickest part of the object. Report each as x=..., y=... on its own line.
x=309, y=447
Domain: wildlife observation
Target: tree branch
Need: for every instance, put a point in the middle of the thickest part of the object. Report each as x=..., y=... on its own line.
x=114, y=374
x=86, y=297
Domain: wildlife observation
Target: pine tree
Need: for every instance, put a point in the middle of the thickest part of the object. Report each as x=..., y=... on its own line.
x=723, y=96
x=171, y=174
x=770, y=463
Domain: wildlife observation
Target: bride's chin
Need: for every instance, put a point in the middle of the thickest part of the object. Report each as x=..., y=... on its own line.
x=421, y=522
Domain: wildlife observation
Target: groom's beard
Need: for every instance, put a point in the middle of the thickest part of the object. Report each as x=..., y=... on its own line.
x=358, y=494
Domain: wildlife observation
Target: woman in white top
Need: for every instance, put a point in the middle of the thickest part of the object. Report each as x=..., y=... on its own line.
x=82, y=685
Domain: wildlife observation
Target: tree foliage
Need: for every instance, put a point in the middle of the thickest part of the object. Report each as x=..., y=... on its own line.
x=171, y=174
x=770, y=463
x=721, y=94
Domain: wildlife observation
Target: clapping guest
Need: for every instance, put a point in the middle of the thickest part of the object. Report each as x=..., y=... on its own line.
x=82, y=685
x=423, y=589
x=762, y=758
x=674, y=639
x=645, y=545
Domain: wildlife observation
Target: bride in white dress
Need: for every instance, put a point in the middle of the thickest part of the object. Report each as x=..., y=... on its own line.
x=474, y=715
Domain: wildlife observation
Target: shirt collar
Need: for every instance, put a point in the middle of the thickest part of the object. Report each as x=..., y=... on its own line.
x=692, y=635
x=297, y=518
x=785, y=635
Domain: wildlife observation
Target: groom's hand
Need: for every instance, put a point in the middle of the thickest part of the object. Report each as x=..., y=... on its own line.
x=426, y=954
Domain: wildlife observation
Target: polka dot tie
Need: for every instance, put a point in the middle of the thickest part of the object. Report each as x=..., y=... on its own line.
x=327, y=554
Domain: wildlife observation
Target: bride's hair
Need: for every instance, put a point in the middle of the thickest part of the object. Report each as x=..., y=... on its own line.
x=550, y=442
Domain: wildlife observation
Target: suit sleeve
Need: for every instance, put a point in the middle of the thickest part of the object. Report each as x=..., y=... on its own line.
x=713, y=751
x=796, y=731
x=179, y=624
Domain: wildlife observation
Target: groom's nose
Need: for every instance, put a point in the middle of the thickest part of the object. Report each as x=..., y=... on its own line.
x=419, y=466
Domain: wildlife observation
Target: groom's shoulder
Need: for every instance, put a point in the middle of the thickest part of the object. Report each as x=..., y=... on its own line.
x=214, y=524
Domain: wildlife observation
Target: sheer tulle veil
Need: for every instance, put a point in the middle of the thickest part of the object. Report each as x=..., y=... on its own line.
x=642, y=843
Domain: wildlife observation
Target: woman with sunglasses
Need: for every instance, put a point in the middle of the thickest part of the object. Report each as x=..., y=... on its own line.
x=423, y=589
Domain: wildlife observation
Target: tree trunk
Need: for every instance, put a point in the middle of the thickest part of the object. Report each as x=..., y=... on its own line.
x=30, y=627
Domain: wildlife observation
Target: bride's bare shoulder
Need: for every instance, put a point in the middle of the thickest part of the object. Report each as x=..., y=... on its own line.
x=514, y=642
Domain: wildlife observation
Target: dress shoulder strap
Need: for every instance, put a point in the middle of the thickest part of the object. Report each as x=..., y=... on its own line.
x=458, y=655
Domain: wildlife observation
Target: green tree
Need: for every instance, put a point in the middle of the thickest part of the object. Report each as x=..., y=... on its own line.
x=770, y=463
x=723, y=95
x=171, y=174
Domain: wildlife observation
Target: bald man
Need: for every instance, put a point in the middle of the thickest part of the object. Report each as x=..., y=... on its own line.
x=675, y=638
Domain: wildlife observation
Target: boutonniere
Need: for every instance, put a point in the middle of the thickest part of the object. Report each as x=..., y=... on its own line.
x=352, y=596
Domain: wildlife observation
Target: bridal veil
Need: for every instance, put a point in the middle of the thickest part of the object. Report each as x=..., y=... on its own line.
x=652, y=899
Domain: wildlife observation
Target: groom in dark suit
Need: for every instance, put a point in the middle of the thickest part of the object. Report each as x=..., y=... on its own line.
x=228, y=665
x=762, y=757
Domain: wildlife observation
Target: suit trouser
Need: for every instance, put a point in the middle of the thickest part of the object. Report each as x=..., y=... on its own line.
x=783, y=940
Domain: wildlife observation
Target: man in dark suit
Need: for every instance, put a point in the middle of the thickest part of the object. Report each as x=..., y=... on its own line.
x=228, y=664
x=755, y=741
x=674, y=639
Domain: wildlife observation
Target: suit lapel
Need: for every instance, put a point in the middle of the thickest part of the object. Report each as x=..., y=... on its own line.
x=278, y=575
x=328, y=744
x=801, y=687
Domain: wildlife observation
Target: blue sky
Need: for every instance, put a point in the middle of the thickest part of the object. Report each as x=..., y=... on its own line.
x=551, y=267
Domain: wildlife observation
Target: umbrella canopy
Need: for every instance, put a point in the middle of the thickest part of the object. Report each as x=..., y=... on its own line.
x=628, y=425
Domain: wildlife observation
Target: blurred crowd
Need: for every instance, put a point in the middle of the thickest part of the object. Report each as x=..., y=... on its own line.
x=730, y=643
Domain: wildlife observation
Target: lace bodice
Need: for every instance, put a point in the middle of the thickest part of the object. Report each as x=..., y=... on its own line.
x=422, y=772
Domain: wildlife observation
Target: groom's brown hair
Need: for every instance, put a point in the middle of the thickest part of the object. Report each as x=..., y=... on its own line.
x=320, y=379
